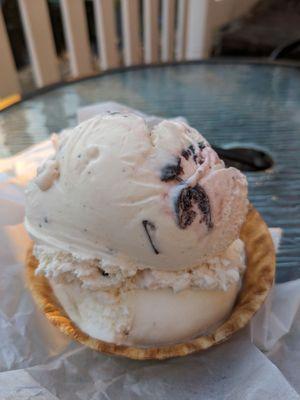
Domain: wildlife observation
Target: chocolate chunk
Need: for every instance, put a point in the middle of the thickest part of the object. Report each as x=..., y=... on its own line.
x=192, y=149
x=185, y=154
x=103, y=273
x=171, y=171
x=200, y=196
x=200, y=160
x=149, y=226
x=184, y=203
x=188, y=217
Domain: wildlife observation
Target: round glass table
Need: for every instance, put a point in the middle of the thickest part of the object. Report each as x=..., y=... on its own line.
x=242, y=103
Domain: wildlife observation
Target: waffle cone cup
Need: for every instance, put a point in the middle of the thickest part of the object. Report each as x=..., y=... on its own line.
x=257, y=281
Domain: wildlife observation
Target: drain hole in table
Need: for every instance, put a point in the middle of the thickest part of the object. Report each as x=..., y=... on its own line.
x=245, y=158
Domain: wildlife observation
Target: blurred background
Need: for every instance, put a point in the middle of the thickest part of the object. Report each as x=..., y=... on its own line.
x=196, y=29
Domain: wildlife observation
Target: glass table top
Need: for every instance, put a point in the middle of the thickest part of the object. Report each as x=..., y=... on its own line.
x=228, y=103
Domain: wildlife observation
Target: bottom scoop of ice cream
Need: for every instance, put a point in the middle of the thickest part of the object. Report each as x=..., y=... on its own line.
x=136, y=196
x=148, y=307
x=147, y=317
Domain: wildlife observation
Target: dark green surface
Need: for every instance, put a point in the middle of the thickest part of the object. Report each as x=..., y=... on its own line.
x=258, y=104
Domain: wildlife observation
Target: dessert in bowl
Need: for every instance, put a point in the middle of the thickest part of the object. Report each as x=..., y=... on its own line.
x=136, y=232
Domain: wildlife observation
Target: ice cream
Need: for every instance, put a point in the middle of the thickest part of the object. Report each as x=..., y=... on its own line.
x=136, y=227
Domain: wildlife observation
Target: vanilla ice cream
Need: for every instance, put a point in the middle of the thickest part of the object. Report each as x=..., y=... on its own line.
x=136, y=227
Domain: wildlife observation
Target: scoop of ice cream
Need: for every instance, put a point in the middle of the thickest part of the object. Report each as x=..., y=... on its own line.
x=132, y=195
x=144, y=307
x=146, y=317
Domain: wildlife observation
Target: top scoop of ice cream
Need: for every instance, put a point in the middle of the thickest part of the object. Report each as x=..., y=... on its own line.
x=134, y=195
